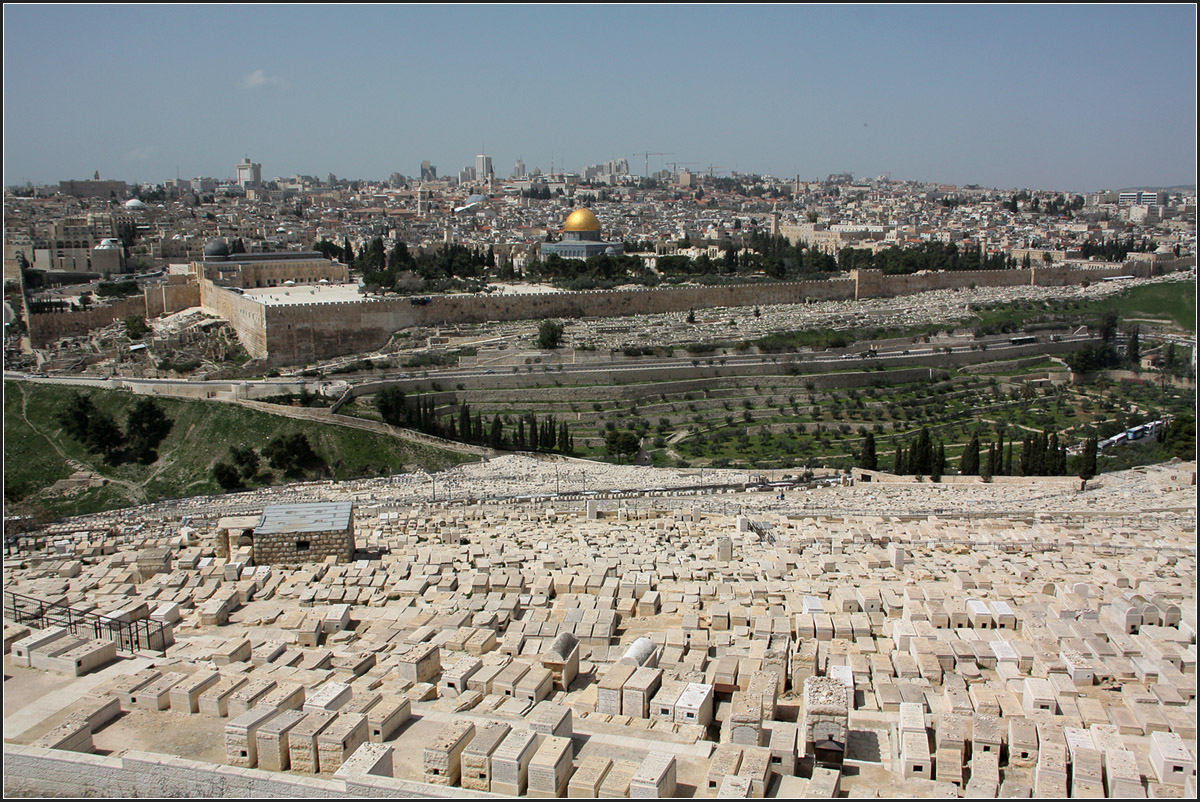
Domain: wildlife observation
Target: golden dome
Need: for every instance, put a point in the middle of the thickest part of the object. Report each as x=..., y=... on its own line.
x=582, y=220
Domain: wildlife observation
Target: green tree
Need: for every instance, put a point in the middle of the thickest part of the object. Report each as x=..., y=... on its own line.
x=969, y=466
x=104, y=436
x=550, y=334
x=146, y=426
x=245, y=460
x=1133, y=346
x=292, y=454
x=1087, y=466
x=226, y=475
x=135, y=327
x=1108, y=327
x=75, y=415
x=391, y=405
x=1180, y=437
x=870, y=461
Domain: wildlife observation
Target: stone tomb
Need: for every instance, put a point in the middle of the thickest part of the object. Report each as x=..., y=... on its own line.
x=298, y=533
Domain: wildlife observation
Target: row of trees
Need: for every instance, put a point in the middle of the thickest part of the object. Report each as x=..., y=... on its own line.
x=290, y=453
x=146, y=425
x=929, y=256
x=1115, y=249
x=531, y=433
x=1104, y=355
x=1041, y=455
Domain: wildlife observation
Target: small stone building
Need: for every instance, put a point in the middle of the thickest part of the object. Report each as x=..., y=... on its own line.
x=299, y=533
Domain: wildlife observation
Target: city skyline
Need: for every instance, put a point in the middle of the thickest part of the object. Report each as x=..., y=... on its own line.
x=1037, y=97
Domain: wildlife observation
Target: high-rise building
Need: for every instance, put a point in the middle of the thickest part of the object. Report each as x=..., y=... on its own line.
x=428, y=171
x=483, y=167
x=249, y=174
x=519, y=169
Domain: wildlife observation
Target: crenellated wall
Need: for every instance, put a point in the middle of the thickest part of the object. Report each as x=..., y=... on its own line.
x=297, y=334
x=305, y=333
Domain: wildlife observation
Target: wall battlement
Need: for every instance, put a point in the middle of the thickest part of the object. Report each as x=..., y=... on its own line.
x=299, y=333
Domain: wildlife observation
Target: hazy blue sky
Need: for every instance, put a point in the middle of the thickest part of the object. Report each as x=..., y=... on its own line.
x=1057, y=97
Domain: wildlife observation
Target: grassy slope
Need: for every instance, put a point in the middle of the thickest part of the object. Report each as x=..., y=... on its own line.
x=1176, y=301
x=36, y=453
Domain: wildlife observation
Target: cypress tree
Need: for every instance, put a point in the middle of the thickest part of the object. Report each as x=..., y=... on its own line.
x=1087, y=468
x=869, y=461
x=969, y=466
x=923, y=454
x=464, y=423
x=520, y=444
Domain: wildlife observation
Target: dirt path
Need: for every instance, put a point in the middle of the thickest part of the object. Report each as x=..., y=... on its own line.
x=324, y=416
x=138, y=493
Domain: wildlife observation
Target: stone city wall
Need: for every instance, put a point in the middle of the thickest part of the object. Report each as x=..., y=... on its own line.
x=298, y=334
x=248, y=318
x=166, y=299
x=47, y=327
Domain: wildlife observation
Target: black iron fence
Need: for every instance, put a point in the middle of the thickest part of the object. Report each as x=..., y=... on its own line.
x=130, y=636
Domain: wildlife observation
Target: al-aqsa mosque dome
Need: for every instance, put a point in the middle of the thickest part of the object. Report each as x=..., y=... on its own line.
x=581, y=238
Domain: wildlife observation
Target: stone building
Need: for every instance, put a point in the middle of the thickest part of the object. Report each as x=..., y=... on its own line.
x=297, y=533
x=581, y=239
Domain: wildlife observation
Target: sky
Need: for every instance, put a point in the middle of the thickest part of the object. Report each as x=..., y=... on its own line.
x=1069, y=98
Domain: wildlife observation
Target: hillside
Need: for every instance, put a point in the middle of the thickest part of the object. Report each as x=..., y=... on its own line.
x=50, y=474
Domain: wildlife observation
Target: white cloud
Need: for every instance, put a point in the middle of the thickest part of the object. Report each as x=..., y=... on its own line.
x=259, y=78
x=139, y=154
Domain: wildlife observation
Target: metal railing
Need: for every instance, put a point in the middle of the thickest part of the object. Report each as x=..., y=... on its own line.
x=130, y=636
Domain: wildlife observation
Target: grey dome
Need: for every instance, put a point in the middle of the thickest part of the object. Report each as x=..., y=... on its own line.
x=217, y=248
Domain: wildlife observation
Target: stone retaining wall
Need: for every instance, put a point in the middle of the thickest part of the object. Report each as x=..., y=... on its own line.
x=36, y=771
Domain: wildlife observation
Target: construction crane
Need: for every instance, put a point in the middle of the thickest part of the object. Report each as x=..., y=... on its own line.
x=675, y=167
x=712, y=167
x=648, y=154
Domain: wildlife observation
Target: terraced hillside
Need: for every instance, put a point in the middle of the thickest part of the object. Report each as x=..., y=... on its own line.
x=788, y=421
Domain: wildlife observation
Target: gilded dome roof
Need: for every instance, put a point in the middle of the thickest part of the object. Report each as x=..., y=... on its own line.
x=582, y=220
